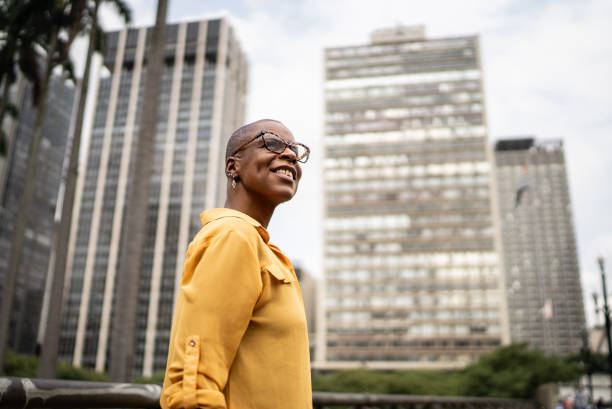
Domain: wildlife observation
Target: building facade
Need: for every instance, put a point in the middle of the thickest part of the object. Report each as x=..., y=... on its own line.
x=309, y=290
x=202, y=101
x=412, y=277
x=28, y=298
x=539, y=248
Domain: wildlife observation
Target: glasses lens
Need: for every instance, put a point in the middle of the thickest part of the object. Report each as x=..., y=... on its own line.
x=273, y=143
x=301, y=152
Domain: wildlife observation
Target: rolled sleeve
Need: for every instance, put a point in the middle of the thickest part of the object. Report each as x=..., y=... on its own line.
x=220, y=286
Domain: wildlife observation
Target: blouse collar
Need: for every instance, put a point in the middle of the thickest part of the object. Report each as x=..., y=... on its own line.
x=213, y=214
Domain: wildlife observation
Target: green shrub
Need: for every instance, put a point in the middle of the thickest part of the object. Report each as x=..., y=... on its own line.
x=20, y=366
x=26, y=366
x=69, y=371
x=157, y=377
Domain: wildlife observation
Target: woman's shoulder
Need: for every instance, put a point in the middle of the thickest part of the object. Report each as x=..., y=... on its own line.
x=224, y=231
x=229, y=224
x=227, y=228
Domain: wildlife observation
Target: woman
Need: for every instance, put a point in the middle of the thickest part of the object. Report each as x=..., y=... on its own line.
x=239, y=337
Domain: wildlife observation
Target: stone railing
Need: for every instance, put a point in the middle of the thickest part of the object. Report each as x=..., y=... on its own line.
x=51, y=393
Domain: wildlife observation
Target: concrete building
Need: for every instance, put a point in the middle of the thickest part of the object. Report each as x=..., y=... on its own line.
x=202, y=101
x=23, y=329
x=412, y=277
x=541, y=264
x=309, y=289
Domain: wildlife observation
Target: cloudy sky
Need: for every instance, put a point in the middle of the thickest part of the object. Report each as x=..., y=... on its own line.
x=547, y=67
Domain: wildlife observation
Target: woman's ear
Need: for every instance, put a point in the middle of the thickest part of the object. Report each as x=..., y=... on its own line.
x=231, y=167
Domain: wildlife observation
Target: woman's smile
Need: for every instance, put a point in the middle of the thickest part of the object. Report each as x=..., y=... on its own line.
x=286, y=172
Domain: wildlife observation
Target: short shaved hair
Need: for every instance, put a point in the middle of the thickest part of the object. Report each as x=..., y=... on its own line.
x=241, y=135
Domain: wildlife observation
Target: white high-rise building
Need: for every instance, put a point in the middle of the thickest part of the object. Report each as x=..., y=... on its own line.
x=202, y=101
x=412, y=276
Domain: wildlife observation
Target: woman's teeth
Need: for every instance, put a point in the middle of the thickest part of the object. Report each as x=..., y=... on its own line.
x=284, y=172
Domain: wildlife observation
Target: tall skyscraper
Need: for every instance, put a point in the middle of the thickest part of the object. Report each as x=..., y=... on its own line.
x=539, y=247
x=27, y=302
x=411, y=267
x=202, y=101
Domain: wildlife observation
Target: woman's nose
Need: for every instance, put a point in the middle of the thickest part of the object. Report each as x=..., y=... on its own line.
x=289, y=154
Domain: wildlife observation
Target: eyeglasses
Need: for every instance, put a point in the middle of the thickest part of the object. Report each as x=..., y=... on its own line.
x=277, y=144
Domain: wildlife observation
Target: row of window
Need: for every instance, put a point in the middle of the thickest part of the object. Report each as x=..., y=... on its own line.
x=409, y=287
x=403, y=195
x=393, y=91
x=403, y=79
x=399, y=275
x=469, y=181
x=407, y=242
x=405, y=112
x=404, y=171
x=401, y=57
x=433, y=77
x=424, y=65
x=405, y=123
x=403, y=106
x=412, y=207
x=399, y=232
x=398, y=158
x=439, y=330
x=373, y=139
x=394, y=317
x=455, y=298
x=413, y=46
x=449, y=259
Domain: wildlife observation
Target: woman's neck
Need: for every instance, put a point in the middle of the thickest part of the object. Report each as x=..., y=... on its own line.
x=258, y=212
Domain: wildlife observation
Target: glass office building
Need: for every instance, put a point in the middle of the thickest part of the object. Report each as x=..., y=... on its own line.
x=541, y=264
x=202, y=101
x=412, y=277
x=36, y=251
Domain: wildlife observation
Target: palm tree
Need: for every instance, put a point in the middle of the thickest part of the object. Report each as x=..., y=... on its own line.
x=133, y=234
x=20, y=40
x=56, y=24
x=47, y=364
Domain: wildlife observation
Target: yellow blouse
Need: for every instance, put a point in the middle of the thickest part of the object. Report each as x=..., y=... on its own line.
x=239, y=337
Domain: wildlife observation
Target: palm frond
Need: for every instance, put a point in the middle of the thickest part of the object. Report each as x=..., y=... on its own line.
x=12, y=110
x=99, y=40
x=3, y=143
x=122, y=9
x=29, y=66
x=68, y=68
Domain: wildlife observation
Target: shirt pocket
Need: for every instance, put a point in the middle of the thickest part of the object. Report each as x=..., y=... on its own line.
x=280, y=274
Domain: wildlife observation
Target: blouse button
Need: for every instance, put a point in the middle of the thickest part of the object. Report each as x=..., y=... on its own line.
x=192, y=343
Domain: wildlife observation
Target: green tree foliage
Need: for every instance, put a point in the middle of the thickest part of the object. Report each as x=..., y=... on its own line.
x=597, y=362
x=439, y=383
x=356, y=381
x=514, y=371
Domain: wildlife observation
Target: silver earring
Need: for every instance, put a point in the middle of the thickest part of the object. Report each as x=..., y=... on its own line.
x=233, y=183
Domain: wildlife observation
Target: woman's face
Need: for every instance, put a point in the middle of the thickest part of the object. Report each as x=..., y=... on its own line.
x=271, y=177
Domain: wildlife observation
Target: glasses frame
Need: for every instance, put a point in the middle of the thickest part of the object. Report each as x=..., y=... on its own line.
x=288, y=144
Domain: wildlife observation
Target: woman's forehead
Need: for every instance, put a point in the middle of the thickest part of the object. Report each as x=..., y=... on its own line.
x=274, y=127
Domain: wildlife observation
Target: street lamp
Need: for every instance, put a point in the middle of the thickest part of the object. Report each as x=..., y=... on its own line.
x=606, y=312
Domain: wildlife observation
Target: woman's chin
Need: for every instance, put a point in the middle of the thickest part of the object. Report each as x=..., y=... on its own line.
x=284, y=195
